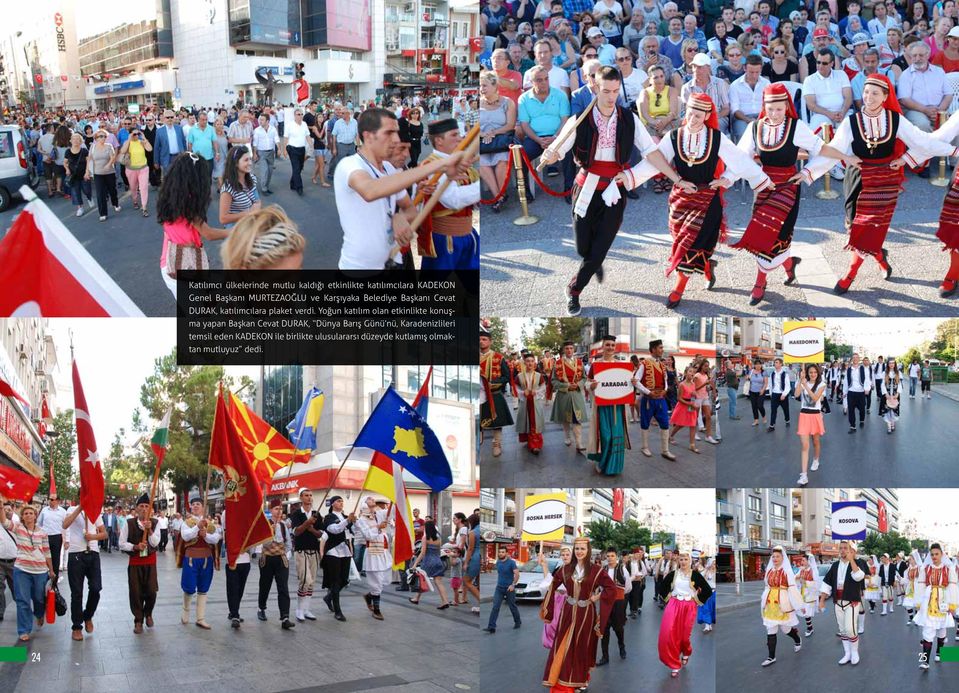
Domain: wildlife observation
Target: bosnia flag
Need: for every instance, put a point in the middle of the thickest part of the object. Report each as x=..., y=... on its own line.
x=302, y=428
x=398, y=431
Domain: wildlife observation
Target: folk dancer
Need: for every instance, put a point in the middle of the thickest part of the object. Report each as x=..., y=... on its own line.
x=494, y=377
x=706, y=614
x=546, y=365
x=608, y=437
x=274, y=562
x=879, y=135
x=617, y=617
x=307, y=525
x=887, y=584
x=378, y=557
x=937, y=596
x=530, y=417
x=650, y=382
x=336, y=555
x=844, y=582
x=198, y=558
x=568, y=382
x=873, y=593
x=686, y=590
x=638, y=568
x=776, y=139
x=447, y=240
x=808, y=582
x=779, y=603
x=891, y=385
x=910, y=598
x=704, y=156
x=602, y=146
x=139, y=538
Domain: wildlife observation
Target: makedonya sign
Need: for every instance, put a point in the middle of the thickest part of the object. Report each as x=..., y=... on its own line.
x=544, y=517
x=848, y=520
x=804, y=341
x=614, y=382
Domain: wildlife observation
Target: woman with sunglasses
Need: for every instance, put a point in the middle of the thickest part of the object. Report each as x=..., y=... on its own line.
x=733, y=68
x=659, y=111
x=576, y=78
x=781, y=68
x=100, y=168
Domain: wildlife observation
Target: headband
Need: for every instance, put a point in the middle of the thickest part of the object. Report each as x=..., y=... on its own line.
x=878, y=83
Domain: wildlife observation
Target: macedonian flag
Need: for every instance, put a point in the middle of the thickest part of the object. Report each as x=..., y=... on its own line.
x=268, y=449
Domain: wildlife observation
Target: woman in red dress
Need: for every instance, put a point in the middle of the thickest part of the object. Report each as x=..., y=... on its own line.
x=579, y=628
x=687, y=590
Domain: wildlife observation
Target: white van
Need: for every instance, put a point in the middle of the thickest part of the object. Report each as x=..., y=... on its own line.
x=16, y=167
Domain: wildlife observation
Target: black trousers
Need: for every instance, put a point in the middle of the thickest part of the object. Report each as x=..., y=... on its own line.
x=616, y=620
x=636, y=596
x=83, y=565
x=297, y=156
x=105, y=185
x=56, y=544
x=856, y=401
x=235, y=584
x=274, y=570
x=336, y=573
x=164, y=538
x=776, y=401
x=880, y=400
x=758, y=404
x=595, y=234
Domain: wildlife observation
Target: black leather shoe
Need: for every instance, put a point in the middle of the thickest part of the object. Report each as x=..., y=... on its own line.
x=712, y=274
x=260, y=614
x=622, y=653
x=604, y=660
x=632, y=195
x=600, y=274
x=329, y=603
x=339, y=617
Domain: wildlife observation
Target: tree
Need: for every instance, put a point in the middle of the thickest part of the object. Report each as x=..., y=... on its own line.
x=913, y=354
x=123, y=471
x=497, y=328
x=552, y=332
x=622, y=536
x=878, y=544
x=61, y=445
x=945, y=346
x=835, y=350
x=601, y=533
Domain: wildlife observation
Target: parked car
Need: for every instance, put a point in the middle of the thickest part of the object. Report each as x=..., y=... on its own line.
x=16, y=168
x=530, y=578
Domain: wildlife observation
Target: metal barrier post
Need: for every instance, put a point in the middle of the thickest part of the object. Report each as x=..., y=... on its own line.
x=526, y=219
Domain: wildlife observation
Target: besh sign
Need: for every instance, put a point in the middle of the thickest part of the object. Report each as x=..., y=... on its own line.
x=61, y=36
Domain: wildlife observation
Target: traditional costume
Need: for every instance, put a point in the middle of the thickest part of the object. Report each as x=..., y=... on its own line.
x=937, y=595
x=142, y=566
x=573, y=652
x=706, y=614
x=873, y=593
x=779, y=604
x=910, y=576
x=198, y=558
x=887, y=584
x=306, y=555
x=447, y=240
x=494, y=377
x=638, y=569
x=378, y=558
x=768, y=236
x=608, y=437
x=530, y=417
x=890, y=392
x=569, y=409
x=696, y=219
x=336, y=557
x=546, y=365
x=807, y=581
x=617, y=615
x=872, y=190
x=844, y=582
x=684, y=594
x=650, y=382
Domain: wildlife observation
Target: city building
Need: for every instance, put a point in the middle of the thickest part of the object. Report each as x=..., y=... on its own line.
x=878, y=501
x=28, y=363
x=683, y=338
x=749, y=523
x=464, y=24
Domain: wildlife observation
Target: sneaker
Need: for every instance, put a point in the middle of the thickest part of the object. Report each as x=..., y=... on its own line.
x=117, y=208
x=923, y=661
x=770, y=429
x=104, y=219
x=768, y=661
x=837, y=172
x=572, y=304
x=798, y=647
x=710, y=439
x=286, y=624
x=91, y=204
x=809, y=632
x=803, y=480
x=260, y=614
x=815, y=465
x=79, y=211
x=235, y=622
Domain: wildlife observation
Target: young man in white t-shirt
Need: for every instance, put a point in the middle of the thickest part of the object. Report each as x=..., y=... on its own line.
x=369, y=191
x=914, y=370
x=83, y=563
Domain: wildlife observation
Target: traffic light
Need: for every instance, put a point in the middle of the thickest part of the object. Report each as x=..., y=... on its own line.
x=298, y=70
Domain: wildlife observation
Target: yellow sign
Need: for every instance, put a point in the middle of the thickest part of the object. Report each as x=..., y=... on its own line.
x=544, y=517
x=804, y=341
x=655, y=550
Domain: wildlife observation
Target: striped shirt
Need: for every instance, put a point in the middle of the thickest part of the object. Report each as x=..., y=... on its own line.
x=242, y=200
x=33, y=549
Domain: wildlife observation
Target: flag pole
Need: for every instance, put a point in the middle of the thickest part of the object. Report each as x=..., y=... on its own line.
x=336, y=476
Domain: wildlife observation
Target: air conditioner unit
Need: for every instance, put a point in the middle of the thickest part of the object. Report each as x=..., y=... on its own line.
x=410, y=7
x=757, y=515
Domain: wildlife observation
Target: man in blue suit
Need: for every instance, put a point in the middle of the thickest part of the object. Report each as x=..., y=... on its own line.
x=169, y=142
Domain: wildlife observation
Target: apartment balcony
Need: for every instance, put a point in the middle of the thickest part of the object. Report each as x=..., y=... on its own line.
x=725, y=509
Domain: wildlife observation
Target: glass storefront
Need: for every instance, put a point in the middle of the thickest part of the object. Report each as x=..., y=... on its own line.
x=118, y=49
x=282, y=394
x=274, y=22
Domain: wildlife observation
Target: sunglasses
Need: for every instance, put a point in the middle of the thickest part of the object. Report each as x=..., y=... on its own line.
x=658, y=99
x=99, y=137
x=624, y=59
x=824, y=62
x=779, y=52
x=589, y=56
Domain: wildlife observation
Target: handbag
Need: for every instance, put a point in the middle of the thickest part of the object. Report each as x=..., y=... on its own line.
x=892, y=402
x=61, y=603
x=185, y=257
x=500, y=143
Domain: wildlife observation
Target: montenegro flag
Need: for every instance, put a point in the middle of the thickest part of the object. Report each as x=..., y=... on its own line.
x=267, y=448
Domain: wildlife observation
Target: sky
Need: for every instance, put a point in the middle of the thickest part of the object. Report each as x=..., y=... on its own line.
x=688, y=510
x=91, y=16
x=934, y=510
x=890, y=335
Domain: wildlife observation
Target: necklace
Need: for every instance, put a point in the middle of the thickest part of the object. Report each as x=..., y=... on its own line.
x=693, y=146
x=875, y=129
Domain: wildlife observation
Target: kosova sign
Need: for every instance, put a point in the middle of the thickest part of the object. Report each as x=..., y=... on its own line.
x=804, y=341
x=544, y=517
x=848, y=520
x=614, y=382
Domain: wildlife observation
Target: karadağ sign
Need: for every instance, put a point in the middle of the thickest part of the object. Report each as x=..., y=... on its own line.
x=848, y=520
x=614, y=382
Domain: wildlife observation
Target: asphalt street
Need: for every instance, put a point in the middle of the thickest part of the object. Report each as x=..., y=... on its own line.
x=408, y=652
x=525, y=268
x=888, y=651
x=920, y=453
x=513, y=660
x=561, y=466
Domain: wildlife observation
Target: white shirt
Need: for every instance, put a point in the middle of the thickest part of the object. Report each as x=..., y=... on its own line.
x=340, y=550
x=857, y=575
x=854, y=382
x=244, y=556
x=827, y=90
x=558, y=78
x=75, y=534
x=296, y=133
x=914, y=371
x=153, y=538
x=878, y=371
x=51, y=521
x=745, y=98
x=266, y=140
x=367, y=226
x=163, y=522
x=8, y=547
x=774, y=382
x=457, y=196
x=633, y=85
x=612, y=576
x=345, y=132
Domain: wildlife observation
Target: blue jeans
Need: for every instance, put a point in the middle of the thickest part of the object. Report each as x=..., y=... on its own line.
x=29, y=586
x=732, y=392
x=78, y=190
x=360, y=552
x=499, y=595
x=912, y=386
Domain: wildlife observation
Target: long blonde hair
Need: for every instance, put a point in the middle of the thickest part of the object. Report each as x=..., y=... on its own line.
x=261, y=239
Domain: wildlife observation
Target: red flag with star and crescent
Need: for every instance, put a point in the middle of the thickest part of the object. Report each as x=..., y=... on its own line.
x=91, y=471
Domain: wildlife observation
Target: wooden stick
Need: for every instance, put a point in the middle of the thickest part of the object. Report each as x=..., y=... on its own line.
x=434, y=179
x=433, y=201
x=556, y=145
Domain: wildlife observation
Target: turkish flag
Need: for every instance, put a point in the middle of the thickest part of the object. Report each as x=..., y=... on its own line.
x=39, y=78
x=91, y=471
x=247, y=526
x=47, y=272
x=6, y=390
x=883, y=520
x=17, y=485
x=302, y=89
x=44, y=408
x=618, y=498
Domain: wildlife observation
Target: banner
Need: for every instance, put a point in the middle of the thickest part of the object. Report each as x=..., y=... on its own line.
x=544, y=517
x=804, y=341
x=615, y=382
x=618, y=498
x=655, y=551
x=883, y=520
x=848, y=520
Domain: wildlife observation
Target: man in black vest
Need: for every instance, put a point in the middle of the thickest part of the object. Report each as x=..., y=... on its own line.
x=845, y=582
x=858, y=383
x=598, y=211
x=336, y=554
x=617, y=618
x=780, y=388
x=139, y=537
x=901, y=567
x=887, y=584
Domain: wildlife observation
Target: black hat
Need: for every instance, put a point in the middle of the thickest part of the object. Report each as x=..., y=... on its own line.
x=484, y=329
x=526, y=352
x=607, y=337
x=568, y=343
x=144, y=499
x=441, y=126
x=332, y=499
x=655, y=343
x=196, y=498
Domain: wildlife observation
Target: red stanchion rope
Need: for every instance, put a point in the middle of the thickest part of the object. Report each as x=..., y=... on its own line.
x=539, y=182
x=502, y=191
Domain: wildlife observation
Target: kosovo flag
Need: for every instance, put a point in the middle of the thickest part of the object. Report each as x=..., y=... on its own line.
x=302, y=428
x=398, y=431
